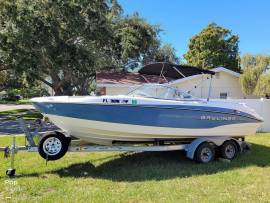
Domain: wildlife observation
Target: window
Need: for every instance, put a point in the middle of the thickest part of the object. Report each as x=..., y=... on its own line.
x=160, y=92
x=101, y=91
x=223, y=95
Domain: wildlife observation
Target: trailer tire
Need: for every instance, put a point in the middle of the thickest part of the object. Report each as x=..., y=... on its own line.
x=53, y=146
x=229, y=150
x=11, y=172
x=205, y=153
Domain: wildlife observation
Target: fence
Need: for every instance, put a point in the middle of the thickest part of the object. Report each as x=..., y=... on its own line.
x=262, y=107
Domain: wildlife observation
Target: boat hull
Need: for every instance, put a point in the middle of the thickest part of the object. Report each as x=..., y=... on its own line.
x=106, y=133
x=105, y=120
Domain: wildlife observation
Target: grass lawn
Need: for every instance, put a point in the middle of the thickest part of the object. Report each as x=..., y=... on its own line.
x=138, y=177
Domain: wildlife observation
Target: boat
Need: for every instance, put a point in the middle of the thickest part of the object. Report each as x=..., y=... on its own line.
x=149, y=113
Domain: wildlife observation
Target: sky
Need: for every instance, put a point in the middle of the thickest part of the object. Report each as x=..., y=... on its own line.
x=181, y=19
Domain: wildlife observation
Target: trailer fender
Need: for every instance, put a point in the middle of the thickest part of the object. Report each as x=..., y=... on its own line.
x=191, y=148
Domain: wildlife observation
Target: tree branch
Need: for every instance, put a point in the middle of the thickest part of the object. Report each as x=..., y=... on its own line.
x=46, y=82
x=43, y=80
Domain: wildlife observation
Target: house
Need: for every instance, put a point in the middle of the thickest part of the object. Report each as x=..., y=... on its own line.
x=113, y=83
x=225, y=83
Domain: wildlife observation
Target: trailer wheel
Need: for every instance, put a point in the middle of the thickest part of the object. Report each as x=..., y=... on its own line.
x=229, y=150
x=53, y=146
x=205, y=153
x=11, y=172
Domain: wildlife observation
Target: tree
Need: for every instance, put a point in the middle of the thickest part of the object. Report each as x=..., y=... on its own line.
x=260, y=61
x=64, y=43
x=59, y=40
x=3, y=80
x=249, y=79
x=254, y=67
x=165, y=53
x=263, y=86
x=133, y=38
x=214, y=46
x=9, y=79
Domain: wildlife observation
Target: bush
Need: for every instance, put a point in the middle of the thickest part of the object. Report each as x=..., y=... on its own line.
x=17, y=94
x=12, y=95
x=35, y=91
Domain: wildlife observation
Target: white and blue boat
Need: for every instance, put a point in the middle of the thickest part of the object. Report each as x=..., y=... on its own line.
x=151, y=112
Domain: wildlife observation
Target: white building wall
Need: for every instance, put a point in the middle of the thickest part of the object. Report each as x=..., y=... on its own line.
x=198, y=86
x=221, y=83
x=116, y=90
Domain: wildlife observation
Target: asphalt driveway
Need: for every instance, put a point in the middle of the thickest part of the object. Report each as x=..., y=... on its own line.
x=10, y=107
x=12, y=127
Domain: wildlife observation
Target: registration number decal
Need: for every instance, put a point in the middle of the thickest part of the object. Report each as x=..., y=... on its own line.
x=117, y=101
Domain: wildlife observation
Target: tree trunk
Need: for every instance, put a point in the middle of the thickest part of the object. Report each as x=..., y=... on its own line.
x=62, y=89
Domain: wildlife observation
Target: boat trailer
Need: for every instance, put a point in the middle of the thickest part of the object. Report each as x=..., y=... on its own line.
x=202, y=149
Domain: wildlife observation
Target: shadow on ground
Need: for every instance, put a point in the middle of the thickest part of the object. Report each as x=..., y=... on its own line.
x=159, y=166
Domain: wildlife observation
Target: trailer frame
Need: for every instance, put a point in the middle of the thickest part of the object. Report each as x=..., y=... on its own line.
x=189, y=148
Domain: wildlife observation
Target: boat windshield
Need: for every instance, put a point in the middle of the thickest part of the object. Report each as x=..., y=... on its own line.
x=159, y=92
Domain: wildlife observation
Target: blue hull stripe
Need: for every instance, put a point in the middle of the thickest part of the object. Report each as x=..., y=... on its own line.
x=159, y=116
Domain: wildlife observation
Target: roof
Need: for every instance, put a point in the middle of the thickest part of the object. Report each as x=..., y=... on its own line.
x=173, y=70
x=222, y=69
x=216, y=70
x=151, y=74
x=127, y=79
